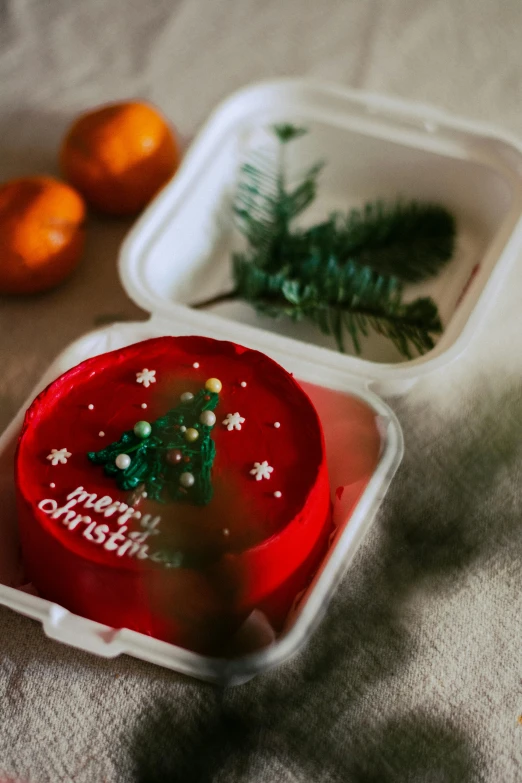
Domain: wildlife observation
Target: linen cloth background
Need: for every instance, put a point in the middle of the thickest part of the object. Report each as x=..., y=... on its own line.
x=416, y=674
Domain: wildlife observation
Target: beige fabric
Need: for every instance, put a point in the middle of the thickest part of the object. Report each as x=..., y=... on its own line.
x=416, y=674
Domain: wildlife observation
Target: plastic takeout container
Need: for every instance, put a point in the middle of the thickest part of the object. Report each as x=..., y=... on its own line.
x=178, y=253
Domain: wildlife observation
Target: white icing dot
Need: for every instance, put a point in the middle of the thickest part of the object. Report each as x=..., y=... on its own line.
x=143, y=494
x=187, y=480
x=226, y=531
x=143, y=405
x=101, y=433
x=278, y=494
x=90, y=406
x=182, y=428
x=243, y=384
x=52, y=485
x=277, y=424
x=123, y=461
x=196, y=365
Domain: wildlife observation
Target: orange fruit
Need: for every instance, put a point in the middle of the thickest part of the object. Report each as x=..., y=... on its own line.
x=118, y=156
x=41, y=233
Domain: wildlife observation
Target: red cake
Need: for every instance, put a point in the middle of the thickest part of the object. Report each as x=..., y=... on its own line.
x=172, y=487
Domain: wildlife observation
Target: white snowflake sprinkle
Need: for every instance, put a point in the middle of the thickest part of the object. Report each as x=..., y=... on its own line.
x=261, y=470
x=59, y=456
x=233, y=421
x=146, y=377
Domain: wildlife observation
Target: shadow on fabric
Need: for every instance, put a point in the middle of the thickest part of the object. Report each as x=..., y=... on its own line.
x=317, y=718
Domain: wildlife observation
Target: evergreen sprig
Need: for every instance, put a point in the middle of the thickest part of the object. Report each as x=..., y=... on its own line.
x=345, y=274
x=407, y=240
x=352, y=298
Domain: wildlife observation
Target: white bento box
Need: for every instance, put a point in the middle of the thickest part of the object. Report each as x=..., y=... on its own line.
x=178, y=252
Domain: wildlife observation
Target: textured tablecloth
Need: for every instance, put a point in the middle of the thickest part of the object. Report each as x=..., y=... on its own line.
x=416, y=673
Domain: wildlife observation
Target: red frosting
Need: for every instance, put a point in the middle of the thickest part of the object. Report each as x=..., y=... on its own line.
x=271, y=545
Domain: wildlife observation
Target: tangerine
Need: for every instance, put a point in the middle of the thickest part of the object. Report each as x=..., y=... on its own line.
x=119, y=155
x=41, y=233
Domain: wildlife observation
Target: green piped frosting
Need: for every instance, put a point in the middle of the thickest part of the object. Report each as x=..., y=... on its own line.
x=149, y=466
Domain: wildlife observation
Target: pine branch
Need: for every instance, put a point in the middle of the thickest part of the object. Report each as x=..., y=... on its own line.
x=351, y=298
x=344, y=274
x=266, y=204
x=408, y=240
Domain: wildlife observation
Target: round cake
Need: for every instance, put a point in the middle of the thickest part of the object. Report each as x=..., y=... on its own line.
x=172, y=487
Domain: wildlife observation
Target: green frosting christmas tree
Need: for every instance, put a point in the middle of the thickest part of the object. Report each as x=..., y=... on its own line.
x=172, y=457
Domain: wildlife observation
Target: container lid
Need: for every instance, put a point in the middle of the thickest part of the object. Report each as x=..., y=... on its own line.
x=375, y=147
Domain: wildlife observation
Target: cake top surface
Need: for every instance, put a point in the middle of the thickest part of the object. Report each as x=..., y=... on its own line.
x=267, y=439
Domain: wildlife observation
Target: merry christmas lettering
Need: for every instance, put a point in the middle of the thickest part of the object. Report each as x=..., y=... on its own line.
x=120, y=541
